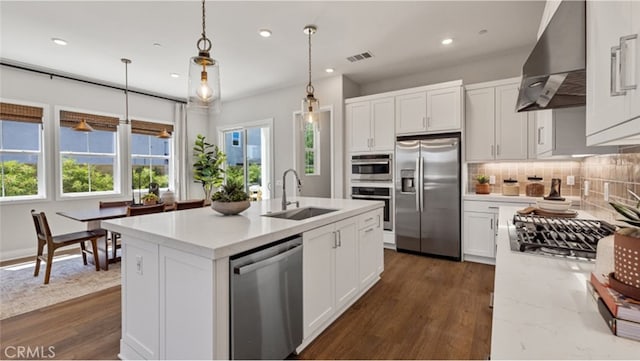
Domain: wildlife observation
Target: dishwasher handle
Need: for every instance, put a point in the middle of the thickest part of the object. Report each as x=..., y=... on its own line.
x=260, y=264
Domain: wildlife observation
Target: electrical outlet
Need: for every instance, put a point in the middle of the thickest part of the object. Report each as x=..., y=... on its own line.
x=139, y=264
x=492, y=179
x=571, y=180
x=606, y=191
x=586, y=188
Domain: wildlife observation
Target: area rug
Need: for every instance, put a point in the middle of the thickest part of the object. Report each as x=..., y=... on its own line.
x=21, y=292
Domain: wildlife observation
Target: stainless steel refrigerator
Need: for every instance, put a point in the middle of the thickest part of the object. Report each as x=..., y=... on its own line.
x=427, y=195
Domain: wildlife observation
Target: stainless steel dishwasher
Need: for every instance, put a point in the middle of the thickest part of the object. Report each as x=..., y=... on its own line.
x=266, y=301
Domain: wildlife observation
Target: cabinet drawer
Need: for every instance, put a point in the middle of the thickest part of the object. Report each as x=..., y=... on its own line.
x=492, y=207
x=369, y=219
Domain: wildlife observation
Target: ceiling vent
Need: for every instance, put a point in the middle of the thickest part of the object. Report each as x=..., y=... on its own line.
x=359, y=57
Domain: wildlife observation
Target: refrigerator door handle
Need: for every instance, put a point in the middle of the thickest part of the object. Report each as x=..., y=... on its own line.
x=417, y=182
x=421, y=183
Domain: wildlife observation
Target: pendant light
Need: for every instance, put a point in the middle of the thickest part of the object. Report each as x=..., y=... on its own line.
x=310, y=104
x=204, y=76
x=83, y=126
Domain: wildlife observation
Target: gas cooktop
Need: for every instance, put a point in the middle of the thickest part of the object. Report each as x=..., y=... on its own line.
x=559, y=237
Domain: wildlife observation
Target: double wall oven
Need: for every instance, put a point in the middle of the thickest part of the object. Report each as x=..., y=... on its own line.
x=372, y=179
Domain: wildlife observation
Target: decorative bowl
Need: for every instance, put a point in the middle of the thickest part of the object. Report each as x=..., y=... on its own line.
x=554, y=206
x=230, y=208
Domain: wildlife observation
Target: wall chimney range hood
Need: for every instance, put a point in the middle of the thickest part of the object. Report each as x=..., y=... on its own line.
x=554, y=75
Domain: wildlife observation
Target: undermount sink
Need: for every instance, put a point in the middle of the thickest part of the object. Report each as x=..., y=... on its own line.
x=299, y=214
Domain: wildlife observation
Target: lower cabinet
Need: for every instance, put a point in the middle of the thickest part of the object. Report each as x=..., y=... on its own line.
x=371, y=250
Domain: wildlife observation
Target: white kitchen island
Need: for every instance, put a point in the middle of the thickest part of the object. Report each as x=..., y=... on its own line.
x=175, y=271
x=541, y=308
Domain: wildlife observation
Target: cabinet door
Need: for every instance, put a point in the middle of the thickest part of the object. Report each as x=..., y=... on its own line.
x=443, y=109
x=383, y=125
x=318, y=267
x=140, y=297
x=544, y=131
x=607, y=21
x=411, y=113
x=359, y=120
x=511, y=127
x=479, y=118
x=370, y=253
x=346, y=262
x=479, y=234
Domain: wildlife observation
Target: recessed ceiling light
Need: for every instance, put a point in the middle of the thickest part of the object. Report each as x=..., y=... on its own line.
x=447, y=41
x=59, y=41
x=265, y=33
x=175, y=75
x=157, y=45
x=329, y=70
x=483, y=31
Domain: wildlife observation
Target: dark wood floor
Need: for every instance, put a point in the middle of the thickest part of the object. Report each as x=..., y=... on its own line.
x=423, y=308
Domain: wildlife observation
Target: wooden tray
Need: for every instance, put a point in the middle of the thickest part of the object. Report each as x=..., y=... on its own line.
x=544, y=213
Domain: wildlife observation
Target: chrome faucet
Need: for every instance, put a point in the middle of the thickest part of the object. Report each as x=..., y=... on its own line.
x=284, y=189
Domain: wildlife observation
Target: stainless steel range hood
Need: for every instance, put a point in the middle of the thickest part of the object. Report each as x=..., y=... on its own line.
x=554, y=75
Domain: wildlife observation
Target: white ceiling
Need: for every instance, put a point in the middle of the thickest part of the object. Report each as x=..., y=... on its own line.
x=404, y=38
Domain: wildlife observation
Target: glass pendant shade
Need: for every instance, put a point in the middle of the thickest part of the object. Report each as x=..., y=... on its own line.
x=310, y=109
x=204, y=84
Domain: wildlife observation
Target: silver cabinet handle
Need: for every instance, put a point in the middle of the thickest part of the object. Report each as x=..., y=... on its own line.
x=254, y=266
x=540, y=141
x=368, y=219
x=614, y=72
x=497, y=227
x=623, y=62
x=497, y=149
x=491, y=150
x=379, y=221
x=368, y=230
x=339, y=238
x=335, y=240
x=491, y=223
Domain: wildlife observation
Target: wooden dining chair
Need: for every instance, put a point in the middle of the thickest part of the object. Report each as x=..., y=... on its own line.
x=45, y=238
x=113, y=236
x=198, y=203
x=140, y=210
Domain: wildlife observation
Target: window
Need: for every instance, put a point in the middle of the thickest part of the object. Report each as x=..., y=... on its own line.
x=88, y=159
x=21, y=164
x=150, y=155
x=311, y=150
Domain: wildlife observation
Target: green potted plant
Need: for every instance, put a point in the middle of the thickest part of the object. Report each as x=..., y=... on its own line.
x=230, y=199
x=483, y=184
x=207, y=166
x=149, y=199
x=626, y=248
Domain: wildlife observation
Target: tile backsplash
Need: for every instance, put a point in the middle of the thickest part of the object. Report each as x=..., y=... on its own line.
x=522, y=170
x=620, y=171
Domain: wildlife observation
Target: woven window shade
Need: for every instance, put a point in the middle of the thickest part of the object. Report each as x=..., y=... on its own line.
x=20, y=113
x=98, y=122
x=149, y=128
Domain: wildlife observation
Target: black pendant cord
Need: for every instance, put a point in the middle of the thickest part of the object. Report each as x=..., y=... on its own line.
x=51, y=75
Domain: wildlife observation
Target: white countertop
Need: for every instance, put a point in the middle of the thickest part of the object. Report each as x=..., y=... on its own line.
x=207, y=233
x=541, y=308
x=498, y=197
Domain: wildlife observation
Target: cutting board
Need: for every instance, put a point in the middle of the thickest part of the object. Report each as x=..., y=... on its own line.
x=544, y=213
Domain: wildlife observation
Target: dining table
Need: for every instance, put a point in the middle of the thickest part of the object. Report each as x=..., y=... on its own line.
x=92, y=217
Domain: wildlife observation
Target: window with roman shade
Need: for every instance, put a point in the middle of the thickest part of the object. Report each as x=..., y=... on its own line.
x=150, y=156
x=21, y=152
x=88, y=160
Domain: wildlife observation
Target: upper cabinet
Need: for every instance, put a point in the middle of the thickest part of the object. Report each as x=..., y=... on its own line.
x=613, y=72
x=494, y=130
x=437, y=110
x=371, y=125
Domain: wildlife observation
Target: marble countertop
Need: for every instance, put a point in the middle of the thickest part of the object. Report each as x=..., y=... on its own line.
x=498, y=197
x=541, y=308
x=204, y=232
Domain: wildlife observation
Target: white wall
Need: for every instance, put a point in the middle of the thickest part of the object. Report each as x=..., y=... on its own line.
x=280, y=105
x=472, y=70
x=17, y=234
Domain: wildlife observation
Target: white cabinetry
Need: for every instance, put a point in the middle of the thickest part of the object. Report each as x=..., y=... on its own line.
x=613, y=72
x=436, y=110
x=371, y=125
x=330, y=277
x=495, y=131
x=370, y=246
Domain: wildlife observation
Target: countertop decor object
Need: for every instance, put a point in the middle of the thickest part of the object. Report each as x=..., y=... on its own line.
x=168, y=197
x=535, y=187
x=554, y=206
x=626, y=278
x=149, y=199
x=207, y=166
x=231, y=199
x=510, y=187
x=483, y=184
x=554, y=194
